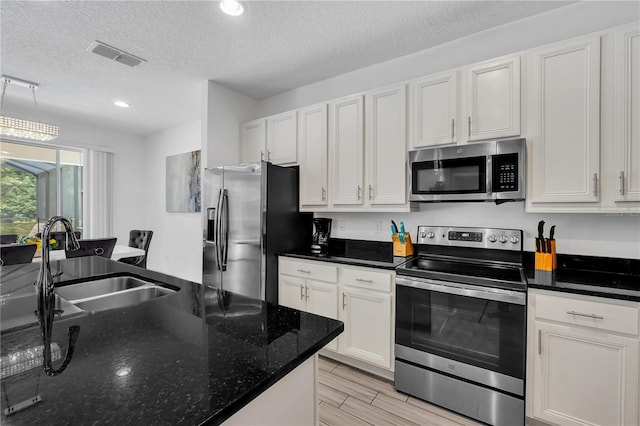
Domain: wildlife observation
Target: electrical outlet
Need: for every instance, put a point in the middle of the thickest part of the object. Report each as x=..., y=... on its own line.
x=378, y=227
x=341, y=225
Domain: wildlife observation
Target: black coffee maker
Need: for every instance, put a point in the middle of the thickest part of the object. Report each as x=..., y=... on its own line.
x=320, y=244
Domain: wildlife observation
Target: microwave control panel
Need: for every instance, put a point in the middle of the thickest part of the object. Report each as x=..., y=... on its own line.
x=505, y=172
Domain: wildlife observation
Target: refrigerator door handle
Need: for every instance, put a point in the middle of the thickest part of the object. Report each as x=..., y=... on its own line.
x=225, y=224
x=218, y=226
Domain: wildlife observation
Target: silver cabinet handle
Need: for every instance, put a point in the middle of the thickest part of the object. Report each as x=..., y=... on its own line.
x=453, y=127
x=370, y=192
x=306, y=292
x=469, y=125
x=324, y=194
x=344, y=300
x=362, y=280
x=594, y=316
x=301, y=292
x=306, y=271
x=268, y=155
x=539, y=342
x=261, y=155
x=622, y=183
x=595, y=184
x=359, y=191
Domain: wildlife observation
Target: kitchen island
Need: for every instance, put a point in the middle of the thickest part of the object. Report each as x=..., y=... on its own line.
x=195, y=356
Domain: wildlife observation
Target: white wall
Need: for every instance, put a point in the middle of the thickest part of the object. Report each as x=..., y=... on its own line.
x=558, y=24
x=128, y=162
x=223, y=110
x=587, y=234
x=176, y=247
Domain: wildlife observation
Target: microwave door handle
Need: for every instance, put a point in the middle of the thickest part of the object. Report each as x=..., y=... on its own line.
x=489, y=174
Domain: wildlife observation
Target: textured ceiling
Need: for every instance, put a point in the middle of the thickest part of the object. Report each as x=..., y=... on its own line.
x=274, y=47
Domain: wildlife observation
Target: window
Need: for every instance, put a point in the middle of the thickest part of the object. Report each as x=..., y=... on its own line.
x=38, y=182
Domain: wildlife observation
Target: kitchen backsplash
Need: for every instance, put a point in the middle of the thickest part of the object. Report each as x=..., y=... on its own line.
x=609, y=235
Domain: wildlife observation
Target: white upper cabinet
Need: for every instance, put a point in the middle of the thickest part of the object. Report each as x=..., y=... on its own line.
x=386, y=146
x=252, y=141
x=627, y=99
x=484, y=104
x=282, y=138
x=346, y=148
x=273, y=139
x=564, y=105
x=493, y=99
x=312, y=142
x=435, y=109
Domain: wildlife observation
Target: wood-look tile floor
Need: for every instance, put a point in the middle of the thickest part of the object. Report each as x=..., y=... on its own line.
x=352, y=397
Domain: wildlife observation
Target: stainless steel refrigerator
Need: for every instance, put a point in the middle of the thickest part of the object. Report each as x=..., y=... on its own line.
x=251, y=215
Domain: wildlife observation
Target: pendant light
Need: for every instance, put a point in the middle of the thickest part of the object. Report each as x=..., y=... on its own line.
x=24, y=129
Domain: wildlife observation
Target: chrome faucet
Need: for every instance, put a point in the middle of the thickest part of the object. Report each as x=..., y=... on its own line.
x=46, y=297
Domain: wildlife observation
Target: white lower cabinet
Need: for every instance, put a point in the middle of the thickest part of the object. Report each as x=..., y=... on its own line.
x=299, y=287
x=362, y=298
x=367, y=300
x=583, y=360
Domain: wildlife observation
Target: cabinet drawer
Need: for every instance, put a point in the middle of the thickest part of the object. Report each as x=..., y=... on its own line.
x=314, y=270
x=380, y=281
x=587, y=313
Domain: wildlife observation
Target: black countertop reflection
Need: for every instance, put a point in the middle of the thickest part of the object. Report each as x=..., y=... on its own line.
x=370, y=254
x=193, y=357
x=615, y=278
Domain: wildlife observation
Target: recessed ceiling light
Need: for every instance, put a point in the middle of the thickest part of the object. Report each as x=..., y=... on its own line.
x=231, y=7
x=121, y=104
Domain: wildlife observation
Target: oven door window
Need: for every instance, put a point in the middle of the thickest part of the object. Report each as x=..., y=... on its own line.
x=453, y=176
x=484, y=333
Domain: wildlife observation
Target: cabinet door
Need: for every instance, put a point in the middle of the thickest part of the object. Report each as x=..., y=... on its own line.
x=346, y=144
x=386, y=146
x=627, y=53
x=313, y=155
x=565, y=122
x=367, y=325
x=584, y=377
x=252, y=141
x=282, y=138
x=291, y=292
x=322, y=299
x=434, y=110
x=493, y=99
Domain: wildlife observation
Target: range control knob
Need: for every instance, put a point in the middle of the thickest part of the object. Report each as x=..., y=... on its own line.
x=423, y=235
x=503, y=238
x=493, y=238
x=515, y=239
x=431, y=235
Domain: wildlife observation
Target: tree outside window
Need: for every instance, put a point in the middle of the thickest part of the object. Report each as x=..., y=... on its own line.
x=36, y=183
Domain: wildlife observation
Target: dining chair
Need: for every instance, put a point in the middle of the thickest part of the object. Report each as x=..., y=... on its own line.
x=8, y=238
x=96, y=247
x=14, y=254
x=60, y=237
x=142, y=240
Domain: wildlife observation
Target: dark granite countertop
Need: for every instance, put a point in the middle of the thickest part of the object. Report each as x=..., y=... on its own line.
x=397, y=261
x=615, y=278
x=192, y=357
x=370, y=254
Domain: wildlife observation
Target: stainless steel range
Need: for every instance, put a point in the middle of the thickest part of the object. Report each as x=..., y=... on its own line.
x=461, y=322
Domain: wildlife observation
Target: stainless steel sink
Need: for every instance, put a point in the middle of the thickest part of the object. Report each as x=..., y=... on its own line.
x=111, y=293
x=19, y=309
x=121, y=299
x=99, y=287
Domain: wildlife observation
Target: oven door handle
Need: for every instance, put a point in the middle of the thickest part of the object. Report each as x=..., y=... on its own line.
x=499, y=295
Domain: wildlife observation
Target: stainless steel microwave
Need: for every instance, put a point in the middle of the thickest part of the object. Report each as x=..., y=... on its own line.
x=481, y=171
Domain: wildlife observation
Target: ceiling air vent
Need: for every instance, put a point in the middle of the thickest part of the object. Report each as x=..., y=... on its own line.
x=110, y=52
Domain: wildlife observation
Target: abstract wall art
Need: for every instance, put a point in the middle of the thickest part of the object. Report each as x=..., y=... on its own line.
x=183, y=182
